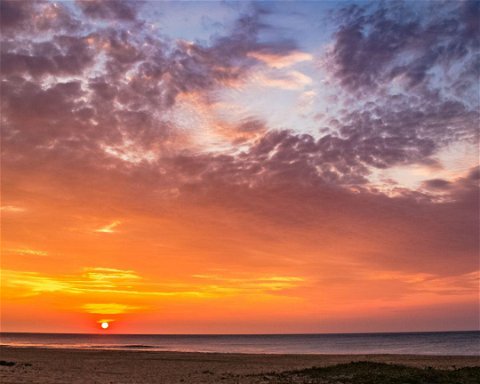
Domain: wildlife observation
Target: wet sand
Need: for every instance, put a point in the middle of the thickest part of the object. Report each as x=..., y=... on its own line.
x=37, y=365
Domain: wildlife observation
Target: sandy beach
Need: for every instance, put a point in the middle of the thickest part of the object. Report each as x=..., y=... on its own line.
x=37, y=365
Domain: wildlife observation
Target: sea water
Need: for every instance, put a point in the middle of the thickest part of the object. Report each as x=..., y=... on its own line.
x=424, y=343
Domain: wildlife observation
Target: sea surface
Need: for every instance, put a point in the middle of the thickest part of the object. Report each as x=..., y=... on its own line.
x=429, y=343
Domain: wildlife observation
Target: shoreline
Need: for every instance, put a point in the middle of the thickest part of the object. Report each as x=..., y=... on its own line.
x=53, y=365
x=152, y=349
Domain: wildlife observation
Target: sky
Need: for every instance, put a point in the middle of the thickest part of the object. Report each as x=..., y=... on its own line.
x=239, y=167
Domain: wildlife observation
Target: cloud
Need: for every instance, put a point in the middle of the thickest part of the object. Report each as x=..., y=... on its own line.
x=93, y=281
x=109, y=275
x=18, y=17
x=105, y=94
x=249, y=285
x=14, y=12
x=109, y=308
x=437, y=184
x=375, y=44
x=110, y=228
x=245, y=131
x=111, y=291
x=32, y=283
x=290, y=80
x=402, y=131
x=28, y=251
x=279, y=61
x=123, y=10
x=12, y=209
x=391, y=72
x=62, y=56
x=288, y=193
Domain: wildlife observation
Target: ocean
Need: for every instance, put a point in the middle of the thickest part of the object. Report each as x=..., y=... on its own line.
x=425, y=343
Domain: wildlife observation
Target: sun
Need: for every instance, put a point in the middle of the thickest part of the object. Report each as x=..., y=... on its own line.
x=105, y=325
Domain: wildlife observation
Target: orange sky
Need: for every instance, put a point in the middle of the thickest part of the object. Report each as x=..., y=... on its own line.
x=238, y=183
x=208, y=266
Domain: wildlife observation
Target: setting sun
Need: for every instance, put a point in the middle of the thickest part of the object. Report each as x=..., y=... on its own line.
x=105, y=325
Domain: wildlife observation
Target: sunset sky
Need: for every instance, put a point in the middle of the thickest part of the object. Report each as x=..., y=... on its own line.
x=239, y=167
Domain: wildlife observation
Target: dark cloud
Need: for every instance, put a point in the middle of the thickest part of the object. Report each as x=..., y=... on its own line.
x=123, y=10
x=143, y=75
x=63, y=55
x=399, y=130
x=127, y=79
x=42, y=117
x=14, y=12
x=22, y=16
x=394, y=65
x=437, y=184
x=193, y=67
x=341, y=160
x=377, y=44
x=474, y=175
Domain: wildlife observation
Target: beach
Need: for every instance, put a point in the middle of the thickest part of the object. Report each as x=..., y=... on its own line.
x=52, y=365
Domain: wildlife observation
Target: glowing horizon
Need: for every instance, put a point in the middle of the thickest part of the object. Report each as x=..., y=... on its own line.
x=237, y=167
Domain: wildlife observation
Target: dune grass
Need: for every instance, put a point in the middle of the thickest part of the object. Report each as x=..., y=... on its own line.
x=376, y=373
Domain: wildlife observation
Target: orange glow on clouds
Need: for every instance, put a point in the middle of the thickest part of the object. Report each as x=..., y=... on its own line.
x=250, y=178
x=110, y=228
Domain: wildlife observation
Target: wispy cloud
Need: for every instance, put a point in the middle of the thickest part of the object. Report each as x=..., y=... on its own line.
x=33, y=283
x=288, y=80
x=110, y=228
x=27, y=251
x=109, y=274
x=261, y=283
x=281, y=61
x=12, y=209
x=120, y=284
x=109, y=308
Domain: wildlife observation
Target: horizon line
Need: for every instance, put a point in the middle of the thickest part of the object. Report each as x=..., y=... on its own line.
x=242, y=334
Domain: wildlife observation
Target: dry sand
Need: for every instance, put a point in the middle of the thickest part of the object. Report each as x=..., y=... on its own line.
x=37, y=365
